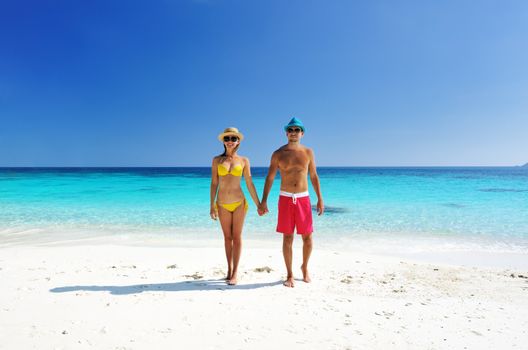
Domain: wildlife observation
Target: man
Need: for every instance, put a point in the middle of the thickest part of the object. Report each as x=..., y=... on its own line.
x=294, y=161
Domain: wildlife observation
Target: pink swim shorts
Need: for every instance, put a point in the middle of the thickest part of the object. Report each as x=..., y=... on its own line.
x=295, y=211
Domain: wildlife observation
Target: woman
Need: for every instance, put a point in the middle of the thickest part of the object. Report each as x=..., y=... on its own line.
x=227, y=199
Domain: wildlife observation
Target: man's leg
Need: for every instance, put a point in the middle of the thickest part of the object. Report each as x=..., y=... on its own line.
x=307, y=251
x=287, y=251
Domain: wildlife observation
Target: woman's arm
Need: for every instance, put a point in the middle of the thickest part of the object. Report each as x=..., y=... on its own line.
x=249, y=183
x=214, y=188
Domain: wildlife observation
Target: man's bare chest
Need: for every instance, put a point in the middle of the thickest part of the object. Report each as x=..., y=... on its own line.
x=293, y=160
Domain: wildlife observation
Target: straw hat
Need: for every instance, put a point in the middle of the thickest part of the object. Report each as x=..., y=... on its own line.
x=230, y=131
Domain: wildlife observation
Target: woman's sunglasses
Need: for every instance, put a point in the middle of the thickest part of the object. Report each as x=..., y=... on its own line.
x=292, y=130
x=230, y=138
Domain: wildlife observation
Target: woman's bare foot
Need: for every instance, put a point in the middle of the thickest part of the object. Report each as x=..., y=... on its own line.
x=289, y=282
x=233, y=280
x=306, y=277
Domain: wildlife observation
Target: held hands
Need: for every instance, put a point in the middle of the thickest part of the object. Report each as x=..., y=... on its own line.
x=262, y=209
x=213, y=213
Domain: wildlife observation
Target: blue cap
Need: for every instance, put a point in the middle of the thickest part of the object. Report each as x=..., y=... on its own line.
x=294, y=122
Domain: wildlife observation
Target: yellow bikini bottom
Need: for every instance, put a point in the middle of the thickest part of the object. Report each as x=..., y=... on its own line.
x=233, y=206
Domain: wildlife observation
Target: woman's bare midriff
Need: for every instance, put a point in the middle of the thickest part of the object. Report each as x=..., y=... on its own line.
x=229, y=190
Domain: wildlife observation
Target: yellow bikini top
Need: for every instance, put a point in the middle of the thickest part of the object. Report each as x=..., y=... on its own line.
x=235, y=171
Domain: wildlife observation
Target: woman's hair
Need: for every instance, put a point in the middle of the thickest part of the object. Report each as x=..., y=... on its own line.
x=223, y=155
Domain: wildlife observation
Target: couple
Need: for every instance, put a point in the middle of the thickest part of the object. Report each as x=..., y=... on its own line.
x=294, y=162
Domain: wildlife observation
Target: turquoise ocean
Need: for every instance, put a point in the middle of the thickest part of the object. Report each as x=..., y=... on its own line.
x=450, y=207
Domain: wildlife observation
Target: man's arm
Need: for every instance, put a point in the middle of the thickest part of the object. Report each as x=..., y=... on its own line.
x=272, y=171
x=315, y=182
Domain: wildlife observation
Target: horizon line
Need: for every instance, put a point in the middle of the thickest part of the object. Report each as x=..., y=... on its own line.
x=260, y=166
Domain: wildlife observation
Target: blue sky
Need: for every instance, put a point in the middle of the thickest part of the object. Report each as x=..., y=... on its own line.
x=151, y=83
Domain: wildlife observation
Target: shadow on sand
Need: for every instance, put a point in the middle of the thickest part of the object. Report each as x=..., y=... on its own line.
x=198, y=285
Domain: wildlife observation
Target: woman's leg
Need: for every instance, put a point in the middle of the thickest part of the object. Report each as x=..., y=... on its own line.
x=238, y=223
x=226, y=220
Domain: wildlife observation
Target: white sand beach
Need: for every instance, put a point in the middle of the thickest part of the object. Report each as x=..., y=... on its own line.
x=105, y=296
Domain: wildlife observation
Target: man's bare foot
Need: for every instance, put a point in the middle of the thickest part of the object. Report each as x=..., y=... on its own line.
x=306, y=277
x=289, y=282
x=233, y=280
x=228, y=276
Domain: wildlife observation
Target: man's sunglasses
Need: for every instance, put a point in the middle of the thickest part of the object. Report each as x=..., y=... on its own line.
x=292, y=130
x=230, y=138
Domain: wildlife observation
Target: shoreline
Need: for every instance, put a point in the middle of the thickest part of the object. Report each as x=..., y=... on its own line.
x=437, y=250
